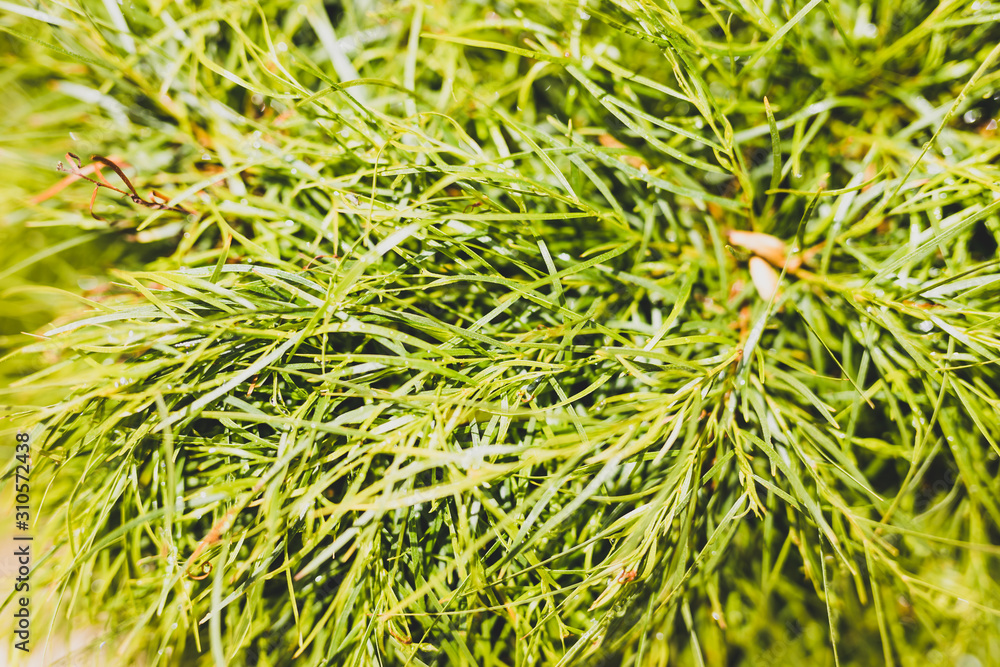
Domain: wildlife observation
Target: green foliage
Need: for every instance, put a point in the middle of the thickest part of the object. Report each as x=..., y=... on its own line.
x=449, y=361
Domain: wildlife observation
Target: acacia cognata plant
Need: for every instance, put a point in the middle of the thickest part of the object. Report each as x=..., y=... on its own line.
x=600, y=333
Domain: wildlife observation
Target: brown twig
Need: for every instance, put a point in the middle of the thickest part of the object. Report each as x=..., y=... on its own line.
x=72, y=178
x=78, y=171
x=217, y=531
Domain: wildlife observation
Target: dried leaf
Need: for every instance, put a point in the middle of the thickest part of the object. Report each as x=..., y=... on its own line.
x=765, y=278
